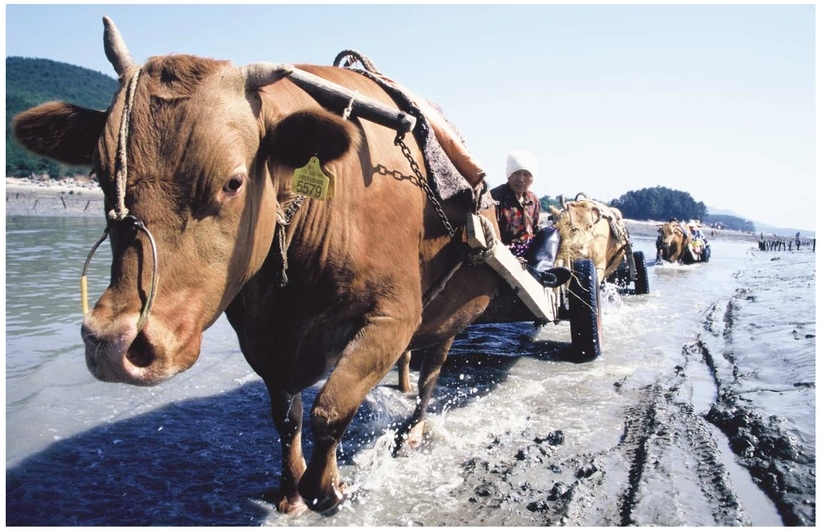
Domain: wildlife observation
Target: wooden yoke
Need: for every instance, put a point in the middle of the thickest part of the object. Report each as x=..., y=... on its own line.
x=341, y=97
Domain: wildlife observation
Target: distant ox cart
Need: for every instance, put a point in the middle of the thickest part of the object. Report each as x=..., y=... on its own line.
x=682, y=243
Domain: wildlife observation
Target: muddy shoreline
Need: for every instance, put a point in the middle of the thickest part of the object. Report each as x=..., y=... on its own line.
x=67, y=198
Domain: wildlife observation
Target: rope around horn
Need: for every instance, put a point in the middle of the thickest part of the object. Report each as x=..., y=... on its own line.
x=119, y=211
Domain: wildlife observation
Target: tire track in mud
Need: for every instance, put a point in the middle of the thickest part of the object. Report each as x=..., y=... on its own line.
x=672, y=454
x=665, y=470
x=777, y=463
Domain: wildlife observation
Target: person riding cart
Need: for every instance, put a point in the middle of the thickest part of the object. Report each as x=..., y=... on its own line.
x=518, y=214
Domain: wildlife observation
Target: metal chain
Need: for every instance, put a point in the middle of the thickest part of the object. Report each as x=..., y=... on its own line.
x=399, y=141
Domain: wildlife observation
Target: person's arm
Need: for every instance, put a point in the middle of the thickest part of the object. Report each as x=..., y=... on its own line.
x=536, y=216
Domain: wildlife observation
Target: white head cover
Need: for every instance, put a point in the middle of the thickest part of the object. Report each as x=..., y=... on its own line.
x=517, y=160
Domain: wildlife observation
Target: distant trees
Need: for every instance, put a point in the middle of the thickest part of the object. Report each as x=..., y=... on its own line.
x=659, y=204
x=547, y=201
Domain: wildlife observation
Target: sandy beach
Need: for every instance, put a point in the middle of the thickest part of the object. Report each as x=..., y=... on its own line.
x=73, y=197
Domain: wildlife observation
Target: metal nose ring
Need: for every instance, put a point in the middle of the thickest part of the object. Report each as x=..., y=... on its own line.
x=149, y=302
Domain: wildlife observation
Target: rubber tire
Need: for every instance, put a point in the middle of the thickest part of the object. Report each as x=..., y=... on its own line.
x=641, y=274
x=620, y=274
x=706, y=254
x=585, y=318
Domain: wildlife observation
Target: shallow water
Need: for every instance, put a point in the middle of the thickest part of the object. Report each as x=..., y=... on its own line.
x=201, y=448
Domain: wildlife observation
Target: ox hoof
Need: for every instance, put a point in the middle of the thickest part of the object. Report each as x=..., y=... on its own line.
x=409, y=438
x=288, y=505
x=328, y=505
x=415, y=437
x=291, y=509
x=325, y=503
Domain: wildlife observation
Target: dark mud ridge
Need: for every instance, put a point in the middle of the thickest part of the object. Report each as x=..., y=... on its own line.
x=666, y=452
x=776, y=462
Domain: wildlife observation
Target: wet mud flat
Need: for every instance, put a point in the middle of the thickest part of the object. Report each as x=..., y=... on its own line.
x=700, y=412
x=742, y=391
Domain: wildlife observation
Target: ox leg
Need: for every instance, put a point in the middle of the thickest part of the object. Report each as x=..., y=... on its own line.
x=360, y=369
x=403, y=371
x=412, y=432
x=287, y=415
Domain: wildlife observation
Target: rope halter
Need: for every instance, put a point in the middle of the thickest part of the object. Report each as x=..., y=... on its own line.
x=120, y=213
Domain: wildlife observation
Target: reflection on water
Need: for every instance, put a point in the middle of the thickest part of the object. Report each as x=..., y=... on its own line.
x=50, y=394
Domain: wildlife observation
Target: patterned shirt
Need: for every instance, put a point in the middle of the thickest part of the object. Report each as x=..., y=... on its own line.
x=518, y=220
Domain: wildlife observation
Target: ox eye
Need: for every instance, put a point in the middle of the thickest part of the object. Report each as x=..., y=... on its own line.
x=234, y=185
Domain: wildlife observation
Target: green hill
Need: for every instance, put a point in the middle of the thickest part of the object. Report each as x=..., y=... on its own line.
x=30, y=82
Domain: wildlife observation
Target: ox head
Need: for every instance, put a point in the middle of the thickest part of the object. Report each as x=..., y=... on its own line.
x=673, y=238
x=188, y=149
x=577, y=223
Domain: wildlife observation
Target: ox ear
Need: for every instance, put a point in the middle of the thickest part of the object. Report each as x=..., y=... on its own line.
x=555, y=212
x=297, y=137
x=61, y=131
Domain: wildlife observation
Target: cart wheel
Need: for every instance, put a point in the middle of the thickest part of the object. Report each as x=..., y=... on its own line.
x=620, y=275
x=640, y=274
x=585, y=319
x=706, y=254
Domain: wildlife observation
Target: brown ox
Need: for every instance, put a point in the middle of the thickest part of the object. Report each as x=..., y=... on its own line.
x=673, y=240
x=200, y=154
x=591, y=230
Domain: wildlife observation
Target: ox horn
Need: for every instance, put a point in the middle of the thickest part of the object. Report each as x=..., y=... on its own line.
x=115, y=48
x=261, y=74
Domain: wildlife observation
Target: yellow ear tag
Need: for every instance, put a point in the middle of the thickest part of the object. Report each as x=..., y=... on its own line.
x=312, y=181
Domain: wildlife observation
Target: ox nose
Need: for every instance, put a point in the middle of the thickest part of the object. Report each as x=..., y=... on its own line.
x=116, y=352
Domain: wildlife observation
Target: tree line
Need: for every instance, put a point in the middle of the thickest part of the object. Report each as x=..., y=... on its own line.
x=661, y=204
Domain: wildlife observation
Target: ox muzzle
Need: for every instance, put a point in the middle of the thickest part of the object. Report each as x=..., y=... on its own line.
x=119, y=351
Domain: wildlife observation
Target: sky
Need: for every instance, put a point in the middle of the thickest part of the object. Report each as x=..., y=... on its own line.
x=718, y=101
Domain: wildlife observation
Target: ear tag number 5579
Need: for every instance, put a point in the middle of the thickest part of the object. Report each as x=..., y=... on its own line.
x=312, y=181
